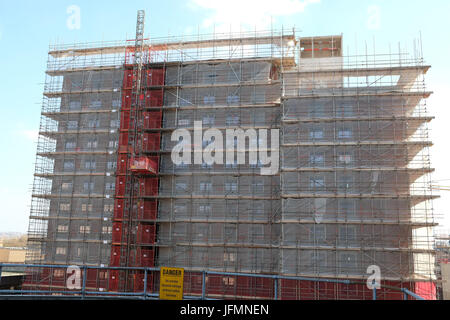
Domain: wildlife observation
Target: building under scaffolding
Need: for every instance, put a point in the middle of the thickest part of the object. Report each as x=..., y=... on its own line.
x=353, y=188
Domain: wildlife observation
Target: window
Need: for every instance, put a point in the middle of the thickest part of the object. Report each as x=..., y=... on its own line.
x=316, y=134
x=96, y=104
x=86, y=207
x=85, y=229
x=233, y=99
x=69, y=165
x=258, y=208
x=75, y=105
x=115, y=123
x=232, y=165
x=113, y=144
x=209, y=100
x=345, y=133
x=66, y=186
x=111, y=165
x=204, y=209
x=108, y=207
x=88, y=186
x=232, y=120
x=206, y=165
x=62, y=228
x=70, y=145
x=257, y=165
x=317, y=159
x=229, y=257
x=89, y=164
x=183, y=122
x=116, y=103
x=205, y=186
x=61, y=250
x=93, y=123
x=208, y=120
x=110, y=187
x=345, y=158
x=72, y=125
x=231, y=186
x=182, y=165
x=92, y=144
x=64, y=206
x=106, y=229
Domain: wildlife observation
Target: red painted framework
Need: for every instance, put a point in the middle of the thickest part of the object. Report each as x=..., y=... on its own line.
x=152, y=100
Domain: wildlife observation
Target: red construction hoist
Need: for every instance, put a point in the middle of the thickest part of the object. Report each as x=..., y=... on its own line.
x=137, y=182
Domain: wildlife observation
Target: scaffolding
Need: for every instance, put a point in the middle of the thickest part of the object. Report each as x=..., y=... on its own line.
x=353, y=188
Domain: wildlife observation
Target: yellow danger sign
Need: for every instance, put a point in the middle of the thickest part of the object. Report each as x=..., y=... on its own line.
x=171, y=284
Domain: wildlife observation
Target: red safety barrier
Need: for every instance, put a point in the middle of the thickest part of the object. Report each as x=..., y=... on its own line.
x=151, y=142
x=148, y=187
x=147, y=209
x=146, y=234
x=152, y=119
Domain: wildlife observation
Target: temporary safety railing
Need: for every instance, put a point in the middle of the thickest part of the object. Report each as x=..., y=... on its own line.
x=84, y=290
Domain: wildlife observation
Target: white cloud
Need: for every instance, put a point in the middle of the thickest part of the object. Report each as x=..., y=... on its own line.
x=30, y=134
x=247, y=14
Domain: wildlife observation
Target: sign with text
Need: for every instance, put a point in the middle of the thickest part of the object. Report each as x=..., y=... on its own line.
x=171, y=284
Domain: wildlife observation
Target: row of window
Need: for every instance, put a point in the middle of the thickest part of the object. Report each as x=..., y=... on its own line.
x=207, y=186
x=207, y=209
x=232, y=119
x=69, y=165
x=342, y=133
x=317, y=159
x=92, y=124
x=84, y=229
x=88, y=187
x=94, y=104
x=257, y=97
x=91, y=143
x=107, y=208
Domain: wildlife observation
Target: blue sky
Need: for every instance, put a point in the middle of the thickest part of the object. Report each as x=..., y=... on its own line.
x=28, y=27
